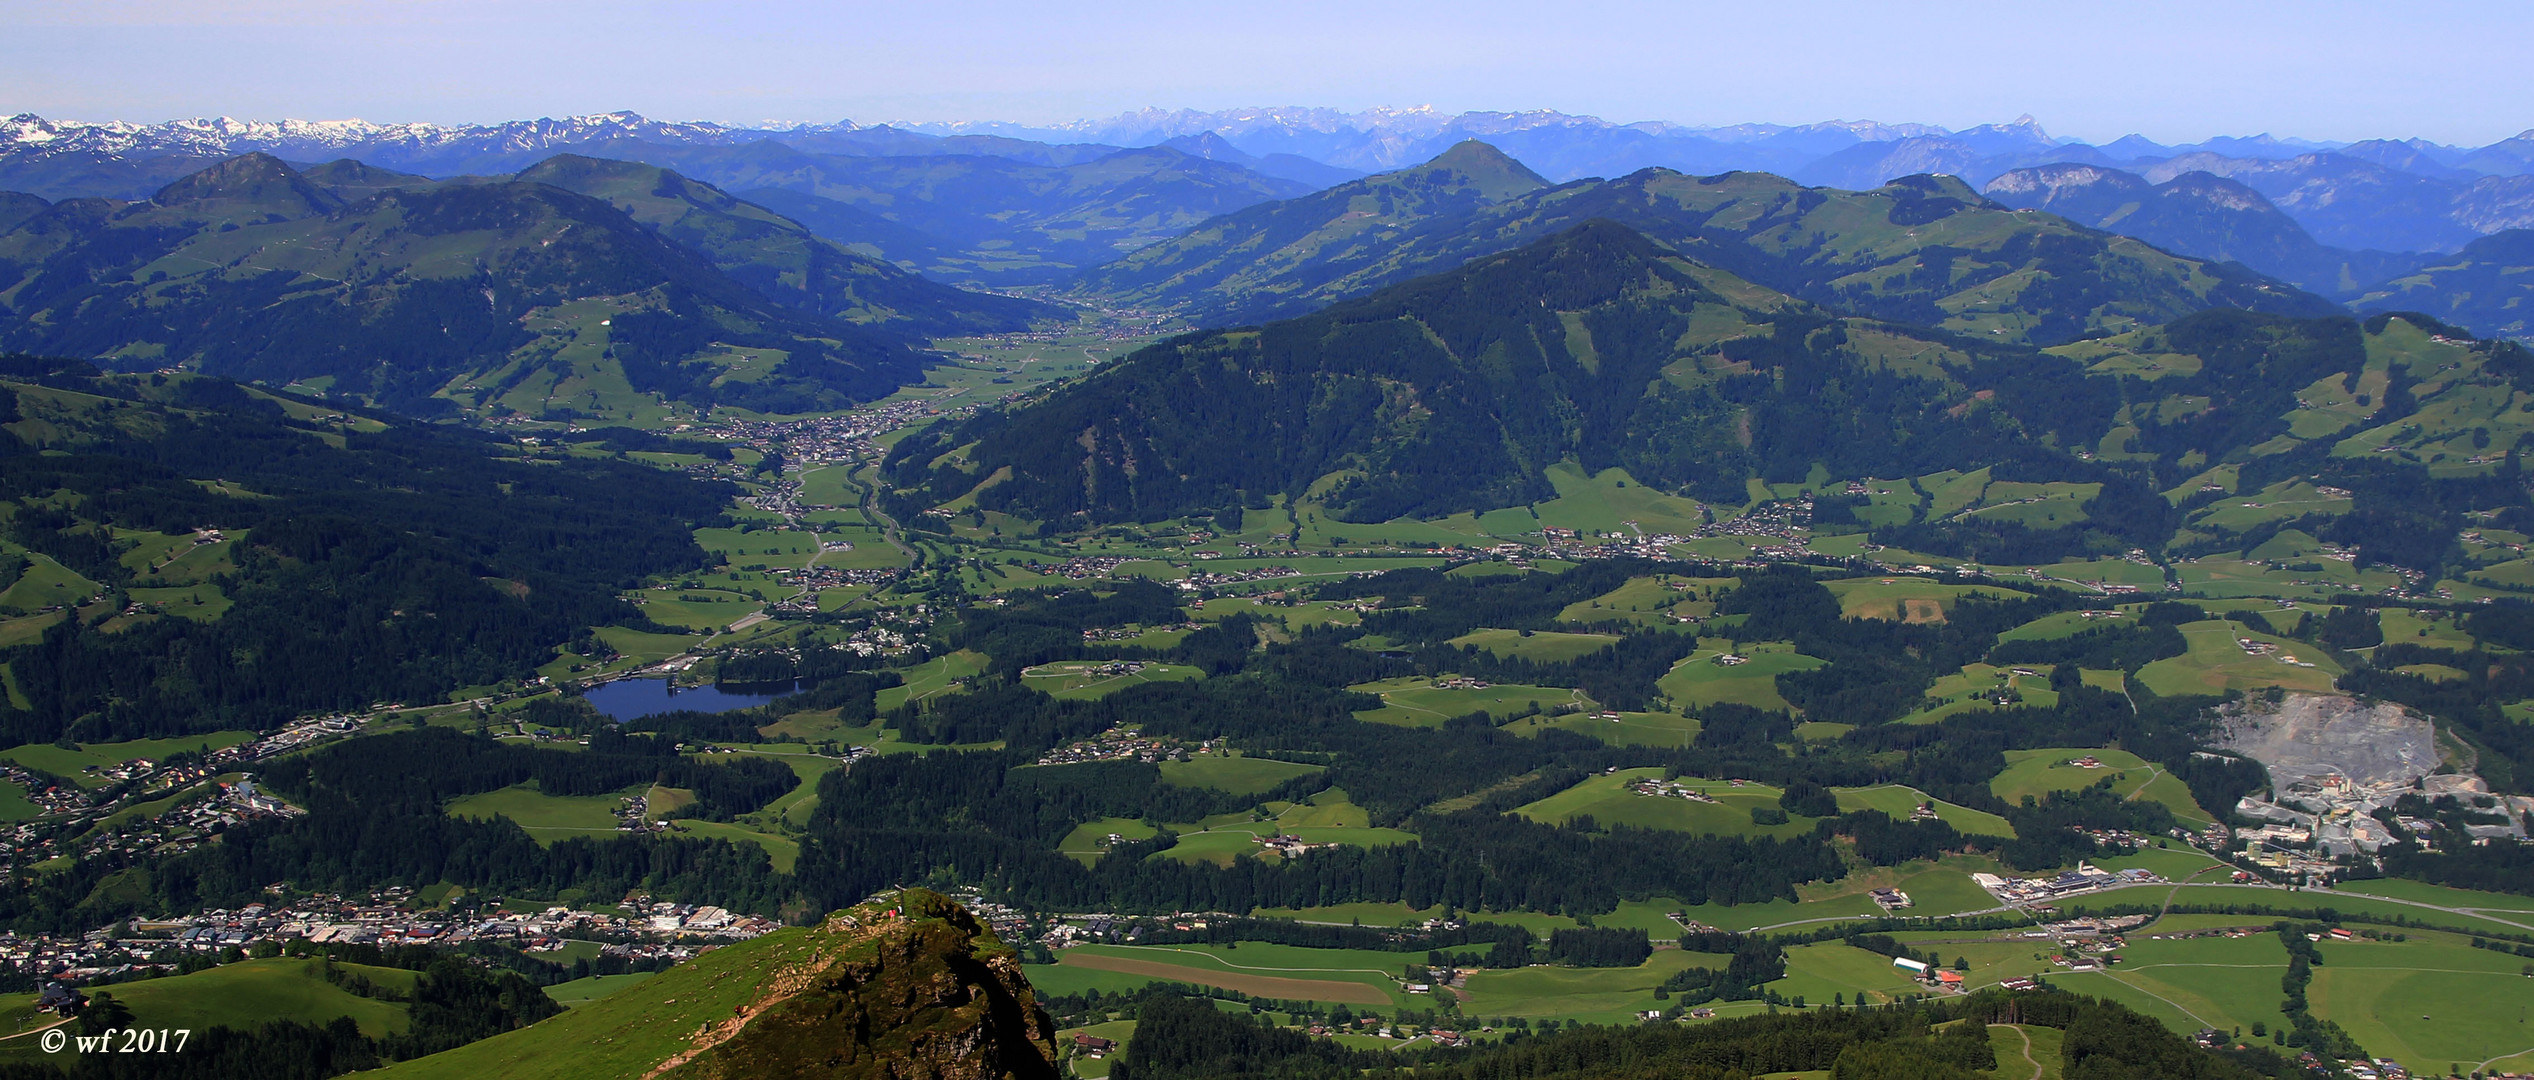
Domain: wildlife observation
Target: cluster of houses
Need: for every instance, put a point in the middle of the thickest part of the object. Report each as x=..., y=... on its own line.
x=1668, y=789
x=1122, y=744
x=1289, y=846
x=65, y=827
x=1096, y=634
x=300, y=735
x=2086, y=878
x=644, y=930
x=811, y=579
x=1208, y=579
x=1930, y=975
x=1081, y=567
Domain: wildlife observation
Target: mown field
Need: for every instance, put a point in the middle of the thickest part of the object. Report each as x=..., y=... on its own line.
x=1417, y=702
x=1607, y=800
x=547, y=818
x=1701, y=680
x=244, y=994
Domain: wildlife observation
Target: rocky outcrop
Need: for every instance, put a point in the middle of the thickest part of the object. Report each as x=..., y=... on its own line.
x=911, y=989
x=2312, y=735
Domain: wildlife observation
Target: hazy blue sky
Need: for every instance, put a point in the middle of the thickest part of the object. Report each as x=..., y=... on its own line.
x=2450, y=71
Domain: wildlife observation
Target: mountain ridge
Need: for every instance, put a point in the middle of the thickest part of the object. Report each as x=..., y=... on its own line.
x=248, y=270
x=2005, y=274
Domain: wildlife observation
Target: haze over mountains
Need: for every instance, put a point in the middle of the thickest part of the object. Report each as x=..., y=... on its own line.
x=622, y=259
x=1006, y=204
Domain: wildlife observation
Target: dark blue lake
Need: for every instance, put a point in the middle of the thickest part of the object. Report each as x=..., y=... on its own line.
x=626, y=699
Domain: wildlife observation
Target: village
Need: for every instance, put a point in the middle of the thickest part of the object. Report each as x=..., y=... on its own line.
x=636, y=930
x=76, y=821
x=1122, y=744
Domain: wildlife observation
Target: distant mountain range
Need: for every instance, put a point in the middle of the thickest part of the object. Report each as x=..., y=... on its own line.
x=580, y=288
x=1006, y=204
x=1925, y=250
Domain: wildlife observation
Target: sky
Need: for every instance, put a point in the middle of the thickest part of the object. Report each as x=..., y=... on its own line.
x=2175, y=71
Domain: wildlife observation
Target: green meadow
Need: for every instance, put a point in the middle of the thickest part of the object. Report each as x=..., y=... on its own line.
x=1607, y=800
x=1546, y=646
x=1418, y=702
x=1238, y=775
x=1701, y=680
x=547, y=818
x=1083, y=679
x=1900, y=802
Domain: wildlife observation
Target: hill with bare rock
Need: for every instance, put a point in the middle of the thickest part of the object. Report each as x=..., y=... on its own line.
x=909, y=987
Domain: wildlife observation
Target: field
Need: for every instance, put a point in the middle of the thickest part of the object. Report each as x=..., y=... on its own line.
x=14, y=805
x=1700, y=680
x=44, y=584
x=1238, y=775
x=2062, y=625
x=1818, y=972
x=580, y=992
x=794, y=805
x=1607, y=800
x=1624, y=729
x=2217, y=663
x=1605, y=502
x=1332, y=976
x=2465, y=899
x=1969, y=690
x=72, y=765
x=782, y=851
x=2190, y=984
x=1082, y=679
x=1325, y=818
x=239, y=995
x=547, y=818
x=2282, y=900
x=1547, y=646
x=624, y=1032
x=2432, y=999
x=1586, y=995
x=1907, y=599
x=1650, y=601
x=699, y=609
x=2428, y=1001
x=1899, y=802
x=939, y=675
x=1417, y=702
x=2039, y=772
x=1359, y=977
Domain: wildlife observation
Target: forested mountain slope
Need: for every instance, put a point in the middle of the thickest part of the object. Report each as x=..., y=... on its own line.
x=421, y=299
x=2483, y=288
x=219, y=557
x=1266, y=258
x=1921, y=249
x=779, y=258
x=1456, y=392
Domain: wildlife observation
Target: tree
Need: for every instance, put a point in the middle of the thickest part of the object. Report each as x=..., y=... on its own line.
x=104, y=1013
